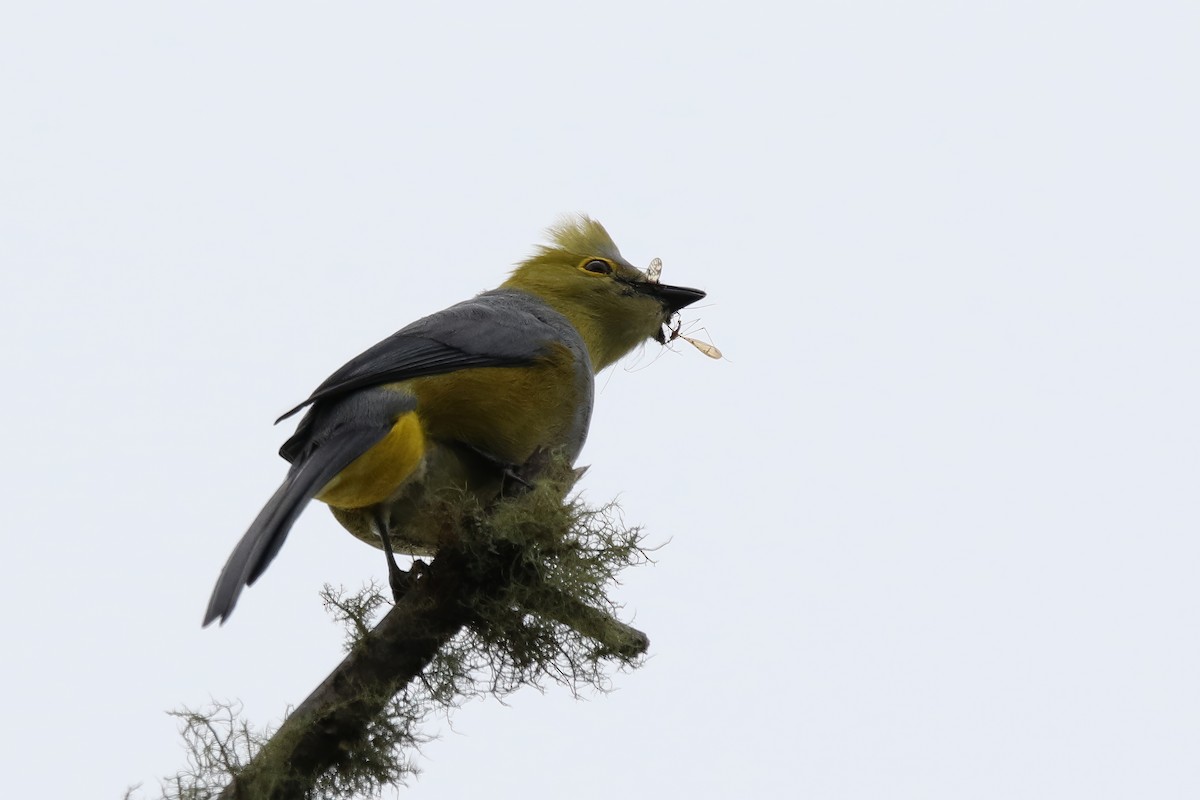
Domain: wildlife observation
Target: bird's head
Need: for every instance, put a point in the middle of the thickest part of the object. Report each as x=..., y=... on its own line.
x=614, y=305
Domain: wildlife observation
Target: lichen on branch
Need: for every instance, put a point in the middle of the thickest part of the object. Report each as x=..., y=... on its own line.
x=519, y=596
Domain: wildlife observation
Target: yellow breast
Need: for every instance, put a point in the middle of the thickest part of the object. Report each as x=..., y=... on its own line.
x=506, y=412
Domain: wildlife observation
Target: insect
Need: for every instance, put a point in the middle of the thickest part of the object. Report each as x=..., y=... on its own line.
x=708, y=349
x=653, y=274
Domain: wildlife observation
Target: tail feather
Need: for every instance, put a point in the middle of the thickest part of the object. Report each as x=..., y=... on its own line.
x=270, y=528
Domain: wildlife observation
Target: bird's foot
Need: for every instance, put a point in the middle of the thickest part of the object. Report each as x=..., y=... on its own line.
x=516, y=479
x=519, y=478
x=402, y=581
x=399, y=580
x=512, y=482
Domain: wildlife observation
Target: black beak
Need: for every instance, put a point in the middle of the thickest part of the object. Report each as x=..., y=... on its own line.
x=673, y=298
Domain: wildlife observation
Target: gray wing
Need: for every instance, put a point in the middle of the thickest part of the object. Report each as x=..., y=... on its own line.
x=500, y=328
x=497, y=328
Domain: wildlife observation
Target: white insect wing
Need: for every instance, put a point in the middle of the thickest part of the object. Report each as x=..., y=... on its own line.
x=654, y=271
x=709, y=350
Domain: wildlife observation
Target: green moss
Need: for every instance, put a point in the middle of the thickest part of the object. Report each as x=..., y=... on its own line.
x=542, y=566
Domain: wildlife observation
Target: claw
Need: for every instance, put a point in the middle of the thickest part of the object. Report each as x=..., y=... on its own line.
x=398, y=579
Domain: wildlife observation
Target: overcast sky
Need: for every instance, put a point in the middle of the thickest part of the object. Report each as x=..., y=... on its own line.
x=932, y=525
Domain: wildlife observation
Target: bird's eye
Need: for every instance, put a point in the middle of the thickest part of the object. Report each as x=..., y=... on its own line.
x=598, y=266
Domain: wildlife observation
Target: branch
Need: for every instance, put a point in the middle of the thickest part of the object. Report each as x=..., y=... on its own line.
x=329, y=722
x=483, y=570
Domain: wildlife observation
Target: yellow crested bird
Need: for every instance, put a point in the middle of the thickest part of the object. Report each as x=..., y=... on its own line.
x=459, y=399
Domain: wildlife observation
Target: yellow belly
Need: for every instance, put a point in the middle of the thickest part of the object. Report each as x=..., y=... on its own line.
x=376, y=475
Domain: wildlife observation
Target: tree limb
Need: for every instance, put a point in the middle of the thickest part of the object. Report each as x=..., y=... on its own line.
x=335, y=718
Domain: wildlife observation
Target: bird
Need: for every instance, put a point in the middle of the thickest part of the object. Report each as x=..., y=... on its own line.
x=459, y=399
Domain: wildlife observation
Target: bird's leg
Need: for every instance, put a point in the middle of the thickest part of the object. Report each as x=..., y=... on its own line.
x=399, y=580
x=510, y=474
x=525, y=474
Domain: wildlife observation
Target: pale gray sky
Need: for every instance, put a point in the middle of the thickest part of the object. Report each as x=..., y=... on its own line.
x=933, y=525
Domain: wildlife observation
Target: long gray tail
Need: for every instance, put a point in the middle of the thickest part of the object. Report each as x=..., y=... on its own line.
x=270, y=528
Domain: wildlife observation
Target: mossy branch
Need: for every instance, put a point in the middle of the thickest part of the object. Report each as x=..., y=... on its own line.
x=518, y=597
